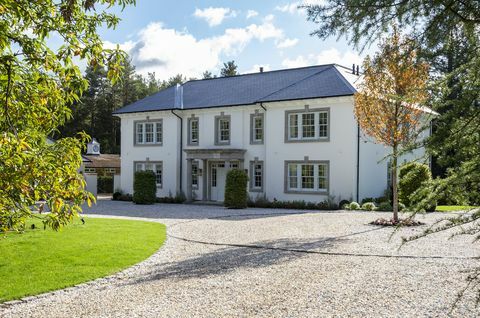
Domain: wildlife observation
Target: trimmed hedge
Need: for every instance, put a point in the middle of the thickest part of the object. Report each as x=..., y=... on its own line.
x=262, y=202
x=105, y=184
x=236, y=194
x=413, y=176
x=144, y=187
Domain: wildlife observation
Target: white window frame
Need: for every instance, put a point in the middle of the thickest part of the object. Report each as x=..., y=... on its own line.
x=254, y=129
x=294, y=173
x=155, y=136
x=193, y=141
x=218, y=130
x=155, y=166
x=294, y=122
x=195, y=168
x=253, y=175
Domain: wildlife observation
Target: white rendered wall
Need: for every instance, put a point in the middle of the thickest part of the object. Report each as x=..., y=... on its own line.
x=340, y=150
x=168, y=153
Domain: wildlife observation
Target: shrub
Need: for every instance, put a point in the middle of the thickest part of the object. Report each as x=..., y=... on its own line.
x=179, y=198
x=385, y=206
x=144, y=187
x=354, y=206
x=263, y=202
x=236, y=189
x=343, y=204
x=105, y=184
x=116, y=195
x=413, y=176
x=369, y=206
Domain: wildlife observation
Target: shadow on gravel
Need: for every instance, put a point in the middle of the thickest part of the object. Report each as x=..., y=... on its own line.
x=230, y=259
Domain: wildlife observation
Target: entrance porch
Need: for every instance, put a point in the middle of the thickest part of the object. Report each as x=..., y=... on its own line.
x=212, y=166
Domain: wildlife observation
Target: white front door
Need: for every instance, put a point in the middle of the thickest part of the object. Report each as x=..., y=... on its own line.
x=218, y=173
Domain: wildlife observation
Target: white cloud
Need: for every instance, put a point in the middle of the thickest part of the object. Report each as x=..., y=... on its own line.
x=292, y=7
x=256, y=68
x=251, y=14
x=214, y=16
x=286, y=43
x=324, y=57
x=168, y=52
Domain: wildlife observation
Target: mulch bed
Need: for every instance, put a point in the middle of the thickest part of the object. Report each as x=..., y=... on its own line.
x=400, y=222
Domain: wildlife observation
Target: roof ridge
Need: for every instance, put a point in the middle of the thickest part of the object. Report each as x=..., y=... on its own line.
x=295, y=83
x=257, y=73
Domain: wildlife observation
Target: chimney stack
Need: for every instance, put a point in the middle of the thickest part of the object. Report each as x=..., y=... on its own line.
x=261, y=69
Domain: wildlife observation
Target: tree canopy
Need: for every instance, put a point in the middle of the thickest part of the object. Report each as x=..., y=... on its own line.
x=37, y=86
x=229, y=69
x=387, y=105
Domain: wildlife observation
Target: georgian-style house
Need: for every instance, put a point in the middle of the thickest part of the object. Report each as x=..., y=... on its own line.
x=292, y=130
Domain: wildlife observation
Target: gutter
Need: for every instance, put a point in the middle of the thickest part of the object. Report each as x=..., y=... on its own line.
x=358, y=162
x=181, y=150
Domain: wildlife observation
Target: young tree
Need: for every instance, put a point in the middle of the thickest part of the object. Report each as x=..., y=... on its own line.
x=387, y=105
x=37, y=86
x=229, y=69
x=207, y=75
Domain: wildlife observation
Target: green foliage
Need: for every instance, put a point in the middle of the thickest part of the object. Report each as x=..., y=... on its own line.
x=77, y=254
x=354, y=206
x=105, y=184
x=262, y=202
x=179, y=198
x=369, y=206
x=385, y=206
x=236, y=194
x=37, y=87
x=413, y=175
x=229, y=69
x=144, y=187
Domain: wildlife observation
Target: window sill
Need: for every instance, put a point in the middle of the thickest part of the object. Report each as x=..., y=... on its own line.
x=255, y=190
x=327, y=139
x=149, y=145
x=317, y=192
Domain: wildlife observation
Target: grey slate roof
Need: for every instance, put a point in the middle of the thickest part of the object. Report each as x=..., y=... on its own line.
x=290, y=84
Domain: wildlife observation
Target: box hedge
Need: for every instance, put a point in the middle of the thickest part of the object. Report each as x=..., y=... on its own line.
x=236, y=195
x=105, y=184
x=144, y=187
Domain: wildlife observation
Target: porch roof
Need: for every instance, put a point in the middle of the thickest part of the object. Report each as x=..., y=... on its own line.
x=216, y=153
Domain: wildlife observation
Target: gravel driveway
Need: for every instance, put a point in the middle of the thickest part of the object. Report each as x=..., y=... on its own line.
x=272, y=263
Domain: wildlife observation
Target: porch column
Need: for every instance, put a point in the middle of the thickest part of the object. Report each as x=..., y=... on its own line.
x=204, y=179
x=189, y=180
x=241, y=164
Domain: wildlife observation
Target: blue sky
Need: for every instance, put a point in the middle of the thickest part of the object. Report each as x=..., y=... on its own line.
x=189, y=37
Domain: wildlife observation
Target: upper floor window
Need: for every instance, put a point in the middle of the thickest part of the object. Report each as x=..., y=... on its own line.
x=306, y=177
x=156, y=167
x=307, y=125
x=256, y=128
x=222, y=130
x=149, y=133
x=193, y=131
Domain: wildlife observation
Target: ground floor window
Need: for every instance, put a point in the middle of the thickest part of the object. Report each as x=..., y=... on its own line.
x=256, y=176
x=155, y=166
x=311, y=176
x=195, y=174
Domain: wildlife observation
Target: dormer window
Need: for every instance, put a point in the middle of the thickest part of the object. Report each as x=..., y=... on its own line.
x=149, y=133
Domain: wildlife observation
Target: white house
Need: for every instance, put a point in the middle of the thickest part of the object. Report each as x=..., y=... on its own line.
x=293, y=130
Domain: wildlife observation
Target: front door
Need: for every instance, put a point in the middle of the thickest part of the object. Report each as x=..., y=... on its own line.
x=218, y=173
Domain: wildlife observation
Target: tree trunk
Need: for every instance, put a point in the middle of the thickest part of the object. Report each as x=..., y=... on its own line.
x=394, y=184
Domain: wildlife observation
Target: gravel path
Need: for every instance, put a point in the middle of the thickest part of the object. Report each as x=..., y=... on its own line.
x=266, y=263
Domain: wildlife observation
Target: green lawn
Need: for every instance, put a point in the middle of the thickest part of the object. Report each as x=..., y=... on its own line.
x=451, y=208
x=43, y=260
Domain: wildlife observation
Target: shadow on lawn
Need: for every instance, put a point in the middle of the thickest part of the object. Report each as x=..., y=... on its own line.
x=229, y=259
